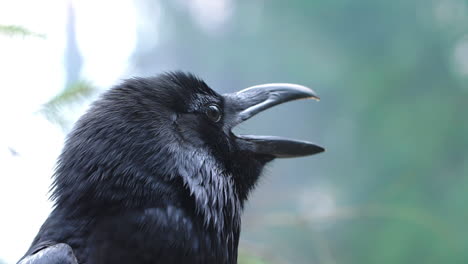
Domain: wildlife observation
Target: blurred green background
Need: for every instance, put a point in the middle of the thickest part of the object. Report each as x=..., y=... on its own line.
x=392, y=76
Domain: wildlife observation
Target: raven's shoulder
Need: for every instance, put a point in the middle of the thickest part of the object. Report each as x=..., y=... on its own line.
x=49, y=253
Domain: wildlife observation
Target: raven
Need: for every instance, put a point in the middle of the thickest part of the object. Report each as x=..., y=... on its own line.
x=152, y=173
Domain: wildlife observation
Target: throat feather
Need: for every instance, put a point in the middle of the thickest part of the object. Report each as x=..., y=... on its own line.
x=213, y=189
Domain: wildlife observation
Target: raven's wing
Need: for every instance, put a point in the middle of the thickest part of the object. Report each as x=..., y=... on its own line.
x=50, y=254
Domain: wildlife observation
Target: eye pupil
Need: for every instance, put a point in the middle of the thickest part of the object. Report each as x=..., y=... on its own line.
x=214, y=113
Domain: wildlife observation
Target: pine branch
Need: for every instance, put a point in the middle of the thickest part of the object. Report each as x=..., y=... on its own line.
x=14, y=30
x=72, y=95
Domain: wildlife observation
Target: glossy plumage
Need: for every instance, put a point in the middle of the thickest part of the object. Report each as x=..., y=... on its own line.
x=148, y=175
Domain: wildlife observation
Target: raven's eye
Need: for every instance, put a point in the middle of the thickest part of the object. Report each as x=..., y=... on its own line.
x=213, y=112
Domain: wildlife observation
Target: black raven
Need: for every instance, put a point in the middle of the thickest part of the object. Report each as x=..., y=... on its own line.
x=153, y=174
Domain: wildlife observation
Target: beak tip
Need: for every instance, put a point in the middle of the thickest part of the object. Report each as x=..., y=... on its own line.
x=312, y=94
x=316, y=149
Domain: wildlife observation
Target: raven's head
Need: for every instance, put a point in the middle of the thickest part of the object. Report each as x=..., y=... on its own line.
x=172, y=130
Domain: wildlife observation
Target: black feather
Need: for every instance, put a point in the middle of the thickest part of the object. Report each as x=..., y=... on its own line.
x=145, y=177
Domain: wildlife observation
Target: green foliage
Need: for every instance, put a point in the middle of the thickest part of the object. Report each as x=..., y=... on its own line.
x=246, y=257
x=14, y=30
x=72, y=95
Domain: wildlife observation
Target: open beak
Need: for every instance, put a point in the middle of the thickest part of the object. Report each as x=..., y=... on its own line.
x=244, y=104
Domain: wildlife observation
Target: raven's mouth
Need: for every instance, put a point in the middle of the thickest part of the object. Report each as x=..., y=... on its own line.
x=244, y=104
